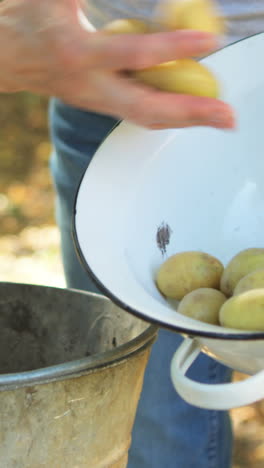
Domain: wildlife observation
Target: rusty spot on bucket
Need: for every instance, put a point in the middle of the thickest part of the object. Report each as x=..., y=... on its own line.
x=163, y=237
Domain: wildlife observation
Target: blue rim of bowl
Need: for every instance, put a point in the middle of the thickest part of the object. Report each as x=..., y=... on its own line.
x=248, y=336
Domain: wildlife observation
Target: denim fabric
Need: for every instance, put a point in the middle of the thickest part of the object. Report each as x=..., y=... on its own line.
x=168, y=432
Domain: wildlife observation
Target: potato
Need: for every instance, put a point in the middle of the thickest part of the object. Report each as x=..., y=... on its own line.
x=203, y=304
x=244, y=311
x=254, y=280
x=185, y=271
x=239, y=266
x=185, y=76
x=199, y=15
x=126, y=26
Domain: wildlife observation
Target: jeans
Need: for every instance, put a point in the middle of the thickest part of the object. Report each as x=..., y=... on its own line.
x=168, y=432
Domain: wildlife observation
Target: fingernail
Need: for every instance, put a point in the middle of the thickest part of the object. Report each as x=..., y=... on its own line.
x=224, y=117
x=228, y=124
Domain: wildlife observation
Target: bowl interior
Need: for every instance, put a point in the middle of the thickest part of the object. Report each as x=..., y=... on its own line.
x=149, y=194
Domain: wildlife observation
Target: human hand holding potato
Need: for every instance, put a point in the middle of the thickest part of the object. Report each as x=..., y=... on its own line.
x=185, y=76
x=48, y=51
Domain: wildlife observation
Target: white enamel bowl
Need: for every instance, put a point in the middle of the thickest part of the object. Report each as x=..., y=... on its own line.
x=188, y=189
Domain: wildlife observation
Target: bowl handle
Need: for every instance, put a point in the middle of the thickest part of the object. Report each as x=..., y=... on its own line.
x=218, y=396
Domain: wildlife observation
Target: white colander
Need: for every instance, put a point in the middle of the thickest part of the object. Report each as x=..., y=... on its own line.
x=149, y=194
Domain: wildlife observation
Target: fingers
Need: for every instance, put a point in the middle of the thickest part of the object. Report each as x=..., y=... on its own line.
x=188, y=111
x=131, y=52
x=154, y=109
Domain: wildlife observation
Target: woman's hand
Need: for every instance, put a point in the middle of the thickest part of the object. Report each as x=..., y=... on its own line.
x=45, y=49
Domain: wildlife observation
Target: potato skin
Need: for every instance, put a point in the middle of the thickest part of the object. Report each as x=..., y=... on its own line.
x=185, y=271
x=126, y=26
x=239, y=266
x=244, y=311
x=253, y=280
x=203, y=304
x=183, y=76
x=199, y=15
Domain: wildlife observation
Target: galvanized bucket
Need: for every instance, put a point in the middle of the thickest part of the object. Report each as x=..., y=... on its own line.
x=71, y=372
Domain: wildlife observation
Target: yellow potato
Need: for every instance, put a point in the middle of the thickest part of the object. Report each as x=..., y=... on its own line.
x=184, y=76
x=126, y=26
x=203, y=304
x=239, y=266
x=254, y=280
x=199, y=15
x=185, y=271
x=244, y=311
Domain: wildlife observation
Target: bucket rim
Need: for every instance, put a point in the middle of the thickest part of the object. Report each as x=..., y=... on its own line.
x=77, y=367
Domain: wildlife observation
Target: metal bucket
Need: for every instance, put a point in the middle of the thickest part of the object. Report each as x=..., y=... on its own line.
x=71, y=372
